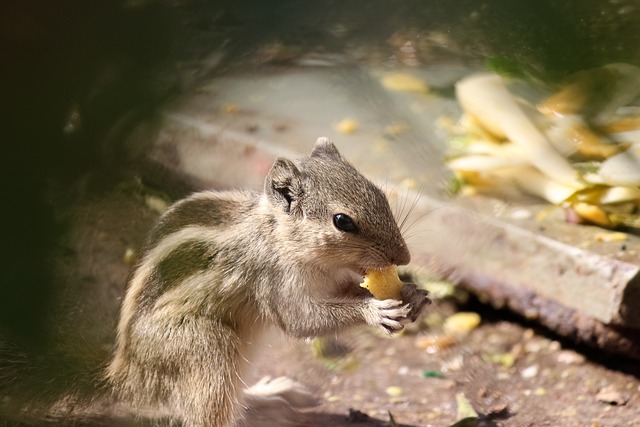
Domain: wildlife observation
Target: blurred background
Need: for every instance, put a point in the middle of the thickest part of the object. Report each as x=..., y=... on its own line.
x=77, y=76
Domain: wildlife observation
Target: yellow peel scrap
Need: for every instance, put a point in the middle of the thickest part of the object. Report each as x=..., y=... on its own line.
x=347, y=126
x=592, y=213
x=611, y=237
x=383, y=284
x=403, y=82
x=461, y=323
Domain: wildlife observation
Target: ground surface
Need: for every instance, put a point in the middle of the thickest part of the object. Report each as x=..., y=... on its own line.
x=509, y=373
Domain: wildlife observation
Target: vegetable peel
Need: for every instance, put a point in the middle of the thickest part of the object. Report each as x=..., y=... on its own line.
x=485, y=97
x=579, y=150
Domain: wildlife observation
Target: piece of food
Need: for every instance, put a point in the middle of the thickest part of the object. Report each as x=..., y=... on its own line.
x=383, y=284
x=403, y=82
x=591, y=213
x=461, y=323
x=347, y=126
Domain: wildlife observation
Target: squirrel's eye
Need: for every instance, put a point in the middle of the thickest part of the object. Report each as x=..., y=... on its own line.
x=344, y=223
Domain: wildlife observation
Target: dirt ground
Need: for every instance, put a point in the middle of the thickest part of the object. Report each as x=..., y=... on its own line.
x=509, y=372
x=502, y=373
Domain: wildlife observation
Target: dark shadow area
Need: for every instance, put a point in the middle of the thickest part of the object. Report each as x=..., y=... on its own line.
x=72, y=70
x=353, y=418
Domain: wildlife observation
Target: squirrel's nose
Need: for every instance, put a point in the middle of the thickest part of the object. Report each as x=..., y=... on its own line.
x=401, y=256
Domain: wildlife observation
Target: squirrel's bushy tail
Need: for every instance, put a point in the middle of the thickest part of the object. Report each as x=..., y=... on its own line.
x=52, y=386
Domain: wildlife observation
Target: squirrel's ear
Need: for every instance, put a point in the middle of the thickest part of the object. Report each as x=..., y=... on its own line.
x=325, y=148
x=283, y=184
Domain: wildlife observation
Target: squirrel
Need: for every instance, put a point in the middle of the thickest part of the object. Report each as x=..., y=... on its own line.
x=220, y=268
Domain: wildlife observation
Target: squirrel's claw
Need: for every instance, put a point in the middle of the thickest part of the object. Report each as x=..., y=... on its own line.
x=417, y=299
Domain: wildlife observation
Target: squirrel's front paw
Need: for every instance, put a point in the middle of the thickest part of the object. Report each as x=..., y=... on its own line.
x=417, y=299
x=387, y=314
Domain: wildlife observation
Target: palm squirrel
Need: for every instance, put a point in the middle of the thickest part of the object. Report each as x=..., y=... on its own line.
x=219, y=268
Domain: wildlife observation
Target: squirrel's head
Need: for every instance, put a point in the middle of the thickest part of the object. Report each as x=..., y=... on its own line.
x=338, y=216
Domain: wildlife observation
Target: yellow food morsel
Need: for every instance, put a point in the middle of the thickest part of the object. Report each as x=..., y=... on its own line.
x=383, y=284
x=347, y=126
x=592, y=213
x=461, y=323
x=403, y=82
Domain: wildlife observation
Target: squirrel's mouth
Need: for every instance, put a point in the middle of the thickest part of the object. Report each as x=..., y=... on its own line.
x=356, y=275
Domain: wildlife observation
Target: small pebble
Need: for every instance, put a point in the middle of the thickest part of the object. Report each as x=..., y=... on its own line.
x=435, y=343
x=521, y=214
x=333, y=398
x=453, y=364
x=610, y=237
x=503, y=376
x=555, y=346
x=393, y=391
x=610, y=395
x=534, y=345
x=529, y=372
x=540, y=391
x=569, y=357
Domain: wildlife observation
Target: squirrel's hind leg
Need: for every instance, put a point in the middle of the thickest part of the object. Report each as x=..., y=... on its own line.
x=208, y=389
